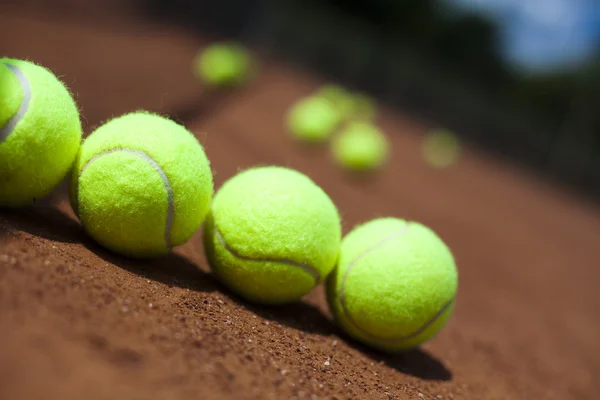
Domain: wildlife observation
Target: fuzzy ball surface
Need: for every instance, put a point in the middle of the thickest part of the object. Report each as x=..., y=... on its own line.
x=40, y=132
x=394, y=286
x=272, y=235
x=141, y=184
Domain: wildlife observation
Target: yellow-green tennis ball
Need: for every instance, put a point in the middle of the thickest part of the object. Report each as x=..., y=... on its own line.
x=342, y=99
x=40, y=132
x=141, y=184
x=223, y=64
x=313, y=119
x=272, y=235
x=395, y=284
x=441, y=148
x=333, y=92
x=360, y=146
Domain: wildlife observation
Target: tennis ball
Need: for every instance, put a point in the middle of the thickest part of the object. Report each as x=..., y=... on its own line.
x=342, y=99
x=441, y=148
x=333, y=92
x=394, y=285
x=40, y=132
x=313, y=119
x=360, y=146
x=354, y=106
x=223, y=64
x=272, y=235
x=141, y=184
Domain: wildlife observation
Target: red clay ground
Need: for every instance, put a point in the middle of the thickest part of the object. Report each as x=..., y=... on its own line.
x=79, y=322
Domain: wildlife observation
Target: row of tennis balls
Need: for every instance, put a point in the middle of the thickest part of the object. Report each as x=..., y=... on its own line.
x=358, y=145
x=142, y=184
x=333, y=112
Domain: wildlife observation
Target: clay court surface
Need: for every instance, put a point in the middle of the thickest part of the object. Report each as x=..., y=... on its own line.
x=77, y=322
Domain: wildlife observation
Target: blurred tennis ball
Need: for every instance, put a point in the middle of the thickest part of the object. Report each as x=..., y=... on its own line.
x=223, y=64
x=313, y=119
x=341, y=98
x=350, y=105
x=333, y=92
x=360, y=146
x=441, y=148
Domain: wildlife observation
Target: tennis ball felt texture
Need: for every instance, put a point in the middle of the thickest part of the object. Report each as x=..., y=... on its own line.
x=141, y=184
x=40, y=132
x=272, y=235
x=394, y=286
x=223, y=64
x=313, y=119
x=360, y=146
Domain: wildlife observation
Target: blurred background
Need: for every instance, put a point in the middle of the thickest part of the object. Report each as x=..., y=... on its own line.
x=521, y=78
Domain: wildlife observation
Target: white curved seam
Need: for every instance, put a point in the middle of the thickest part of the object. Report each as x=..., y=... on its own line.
x=161, y=173
x=11, y=124
x=305, y=267
x=369, y=334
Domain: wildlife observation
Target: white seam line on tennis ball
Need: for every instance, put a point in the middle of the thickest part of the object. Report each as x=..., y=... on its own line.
x=163, y=176
x=10, y=125
x=369, y=334
x=305, y=267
